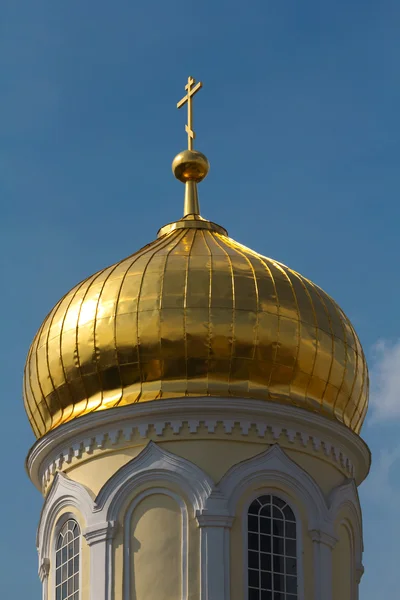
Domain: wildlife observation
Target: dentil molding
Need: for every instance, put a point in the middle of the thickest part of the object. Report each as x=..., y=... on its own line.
x=123, y=426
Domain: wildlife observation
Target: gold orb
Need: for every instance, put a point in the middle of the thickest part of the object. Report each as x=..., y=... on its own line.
x=190, y=165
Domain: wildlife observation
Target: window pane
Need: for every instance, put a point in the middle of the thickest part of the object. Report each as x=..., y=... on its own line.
x=254, y=578
x=254, y=560
x=254, y=594
x=265, y=525
x=290, y=547
x=278, y=545
x=265, y=543
x=278, y=502
x=272, y=546
x=252, y=523
x=265, y=562
x=266, y=511
x=264, y=500
x=67, y=573
x=279, y=564
x=266, y=581
x=278, y=527
x=279, y=582
x=291, y=566
x=254, y=507
x=291, y=584
x=253, y=541
x=290, y=530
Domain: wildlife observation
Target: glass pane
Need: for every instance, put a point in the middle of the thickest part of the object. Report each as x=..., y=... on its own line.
x=58, y=558
x=287, y=511
x=253, y=541
x=278, y=546
x=252, y=523
x=265, y=562
x=265, y=525
x=279, y=582
x=70, y=586
x=265, y=543
x=277, y=513
x=266, y=511
x=290, y=548
x=254, y=507
x=278, y=527
x=278, y=596
x=291, y=566
x=266, y=595
x=63, y=591
x=76, y=546
x=266, y=581
x=254, y=560
x=76, y=564
x=70, y=549
x=265, y=500
x=76, y=596
x=278, y=502
x=254, y=578
x=290, y=530
x=254, y=594
x=64, y=572
x=58, y=576
x=58, y=593
x=76, y=582
x=291, y=584
x=279, y=564
x=64, y=554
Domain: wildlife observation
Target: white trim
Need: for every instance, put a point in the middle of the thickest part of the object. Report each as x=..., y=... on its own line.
x=276, y=468
x=154, y=465
x=272, y=421
x=299, y=536
x=127, y=574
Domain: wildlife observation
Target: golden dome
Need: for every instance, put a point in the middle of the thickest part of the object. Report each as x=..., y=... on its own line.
x=195, y=313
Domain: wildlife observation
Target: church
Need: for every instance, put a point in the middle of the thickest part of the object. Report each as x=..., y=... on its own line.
x=197, y=408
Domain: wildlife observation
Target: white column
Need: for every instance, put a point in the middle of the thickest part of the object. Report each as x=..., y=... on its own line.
x=44, y=570
x=323, y=544
x=99, y=538
x=214, y=556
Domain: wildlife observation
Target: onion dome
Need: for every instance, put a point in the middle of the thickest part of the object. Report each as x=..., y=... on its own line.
x=192, y=314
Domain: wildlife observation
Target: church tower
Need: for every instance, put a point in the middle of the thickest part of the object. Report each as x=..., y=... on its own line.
x=197, y=408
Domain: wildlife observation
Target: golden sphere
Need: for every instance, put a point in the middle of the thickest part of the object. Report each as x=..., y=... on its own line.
x=190, y=165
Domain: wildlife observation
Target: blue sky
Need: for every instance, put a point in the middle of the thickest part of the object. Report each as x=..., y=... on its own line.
x=299, y=118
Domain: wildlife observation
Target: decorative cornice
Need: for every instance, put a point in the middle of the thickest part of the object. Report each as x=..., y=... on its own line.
x=321, y=537
x=270, y=422
x=44, y=569
x=205, y=520
x=100, y=532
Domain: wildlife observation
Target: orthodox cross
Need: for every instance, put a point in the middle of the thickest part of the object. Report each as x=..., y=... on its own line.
x=188, y=98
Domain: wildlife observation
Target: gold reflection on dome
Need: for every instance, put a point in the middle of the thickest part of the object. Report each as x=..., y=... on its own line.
x=194, y=314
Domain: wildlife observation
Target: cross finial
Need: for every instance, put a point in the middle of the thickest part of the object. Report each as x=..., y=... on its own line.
x=188, y=99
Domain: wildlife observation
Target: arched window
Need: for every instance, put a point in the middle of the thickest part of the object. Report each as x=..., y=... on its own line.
x=67, y=561
x=272, y=550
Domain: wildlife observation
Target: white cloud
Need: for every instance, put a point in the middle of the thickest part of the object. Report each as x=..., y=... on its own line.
x=385, y=382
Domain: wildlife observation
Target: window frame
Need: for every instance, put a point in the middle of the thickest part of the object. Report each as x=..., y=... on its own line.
x=299, y=537
x=57, y=530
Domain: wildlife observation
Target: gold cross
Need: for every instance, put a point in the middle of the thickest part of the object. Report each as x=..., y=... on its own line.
x=188, y=98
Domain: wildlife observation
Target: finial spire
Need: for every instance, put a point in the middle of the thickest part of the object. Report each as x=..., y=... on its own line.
x=191, y=91
x=190, y=166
